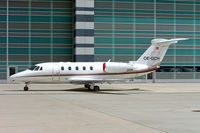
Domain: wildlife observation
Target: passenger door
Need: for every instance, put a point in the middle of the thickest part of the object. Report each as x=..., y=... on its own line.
x=56, y=73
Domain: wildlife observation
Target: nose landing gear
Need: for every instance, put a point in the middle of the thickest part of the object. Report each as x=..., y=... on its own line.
x=26, y=86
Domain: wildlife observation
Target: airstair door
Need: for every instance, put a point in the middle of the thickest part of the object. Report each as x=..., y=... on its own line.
x=56, y=73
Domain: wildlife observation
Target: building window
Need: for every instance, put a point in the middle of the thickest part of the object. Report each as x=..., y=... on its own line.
x=84, y=68
x=76, y=68
x=177, y=69
x=62, y=68
x=69, y=68
x=91, y=68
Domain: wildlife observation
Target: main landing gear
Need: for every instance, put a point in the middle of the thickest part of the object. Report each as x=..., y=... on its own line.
x=92, y=87
x=26, y=86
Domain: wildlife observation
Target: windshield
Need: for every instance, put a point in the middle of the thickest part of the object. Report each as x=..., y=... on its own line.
x=32, y=68
x=36, y=68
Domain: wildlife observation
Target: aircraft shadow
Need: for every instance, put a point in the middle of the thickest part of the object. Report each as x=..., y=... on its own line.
x=85, y=90
x=104, y=91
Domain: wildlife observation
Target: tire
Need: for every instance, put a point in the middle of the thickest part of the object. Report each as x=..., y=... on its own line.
x=96, y=88
x=86, y=85
x=25, y=88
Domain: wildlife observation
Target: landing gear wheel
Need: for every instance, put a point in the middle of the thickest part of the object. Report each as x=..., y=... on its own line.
x=96, y=88
x=26, y=88
x=87, y=86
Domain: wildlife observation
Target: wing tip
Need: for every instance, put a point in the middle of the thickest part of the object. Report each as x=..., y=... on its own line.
x=180, y=39
x=175, y=40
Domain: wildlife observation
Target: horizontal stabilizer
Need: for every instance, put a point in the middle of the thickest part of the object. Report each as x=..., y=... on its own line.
x=170, y=41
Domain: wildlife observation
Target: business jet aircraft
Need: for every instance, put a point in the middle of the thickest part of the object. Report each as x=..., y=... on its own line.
x=90, y=73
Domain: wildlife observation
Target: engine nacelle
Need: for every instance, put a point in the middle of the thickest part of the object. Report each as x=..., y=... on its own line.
x=112, y=67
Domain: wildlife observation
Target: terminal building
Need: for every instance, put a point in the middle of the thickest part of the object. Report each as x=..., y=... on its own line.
x=36, y=31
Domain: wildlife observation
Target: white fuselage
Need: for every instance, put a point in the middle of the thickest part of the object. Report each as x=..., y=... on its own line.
x=82, y=72
x=89, y=73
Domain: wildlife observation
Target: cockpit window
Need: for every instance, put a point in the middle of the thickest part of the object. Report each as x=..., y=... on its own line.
x=36, y=69
x=33, y=67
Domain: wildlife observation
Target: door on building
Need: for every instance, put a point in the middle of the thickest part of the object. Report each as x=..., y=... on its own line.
x=12, y=70
x=56, y=73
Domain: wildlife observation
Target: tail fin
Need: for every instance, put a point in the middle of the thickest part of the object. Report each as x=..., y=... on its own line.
x=154, y=55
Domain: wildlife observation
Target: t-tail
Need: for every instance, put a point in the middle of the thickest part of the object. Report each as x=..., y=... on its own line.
x=154, y=55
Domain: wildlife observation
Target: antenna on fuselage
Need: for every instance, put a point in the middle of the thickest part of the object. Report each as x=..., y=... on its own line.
x=109, y=60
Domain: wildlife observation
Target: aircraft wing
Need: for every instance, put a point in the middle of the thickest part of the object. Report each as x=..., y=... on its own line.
x=81, y=80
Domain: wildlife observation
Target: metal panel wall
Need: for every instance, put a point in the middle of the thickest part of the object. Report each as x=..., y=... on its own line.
x=124, y=30
x=34, y=31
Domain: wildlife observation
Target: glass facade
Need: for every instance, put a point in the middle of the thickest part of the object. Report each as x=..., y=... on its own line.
x=35, y=31
x=124, y=30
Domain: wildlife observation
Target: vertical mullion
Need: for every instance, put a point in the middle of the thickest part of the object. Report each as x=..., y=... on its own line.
x=174, y=37
x=7, y=38
x=51, y=27
x=29, y=34
x=194, y=38
x=155, y=35
x=73, y=30
x=154, y=19
x=134, y=30
x=113, y=29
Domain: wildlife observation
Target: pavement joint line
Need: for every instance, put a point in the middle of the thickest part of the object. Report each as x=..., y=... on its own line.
x=100, y=93
x=37, y=94
x=115, y=117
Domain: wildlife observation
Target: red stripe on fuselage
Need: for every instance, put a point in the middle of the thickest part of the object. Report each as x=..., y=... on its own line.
x=104, y=67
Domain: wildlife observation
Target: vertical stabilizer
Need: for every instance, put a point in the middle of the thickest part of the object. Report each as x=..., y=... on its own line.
x=154, y=55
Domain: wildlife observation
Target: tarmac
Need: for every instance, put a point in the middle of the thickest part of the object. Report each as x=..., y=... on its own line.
x=117, y=108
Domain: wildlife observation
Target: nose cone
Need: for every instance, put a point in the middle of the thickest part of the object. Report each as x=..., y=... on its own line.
x=13, y=77
x=20, y=77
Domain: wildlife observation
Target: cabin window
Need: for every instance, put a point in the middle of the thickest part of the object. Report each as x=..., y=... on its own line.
x=84, y=68
x=41, y=68
x=62, y=68
x=69, y=68
x=76, y=68
x=91, y=68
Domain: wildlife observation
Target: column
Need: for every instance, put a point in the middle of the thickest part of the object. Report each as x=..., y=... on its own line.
x=84, y=31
